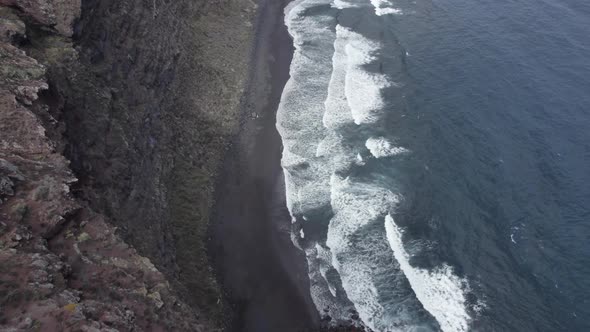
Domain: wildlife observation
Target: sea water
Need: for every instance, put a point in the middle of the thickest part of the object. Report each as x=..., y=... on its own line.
x=437, y=161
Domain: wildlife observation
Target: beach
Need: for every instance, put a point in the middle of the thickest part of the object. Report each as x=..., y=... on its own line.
x=264, y=276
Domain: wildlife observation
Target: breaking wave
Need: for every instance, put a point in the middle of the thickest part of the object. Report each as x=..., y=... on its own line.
x=439, y=290
x=341, y=88
x=381, y=147
x=384, y=7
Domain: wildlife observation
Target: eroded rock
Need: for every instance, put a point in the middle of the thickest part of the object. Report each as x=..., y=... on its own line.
x=52, y=278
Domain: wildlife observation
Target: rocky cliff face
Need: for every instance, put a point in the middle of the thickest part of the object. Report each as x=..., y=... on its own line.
x=141, y=97
x=148, y=114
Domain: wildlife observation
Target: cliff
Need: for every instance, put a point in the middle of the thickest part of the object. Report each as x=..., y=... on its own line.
x=114, y=118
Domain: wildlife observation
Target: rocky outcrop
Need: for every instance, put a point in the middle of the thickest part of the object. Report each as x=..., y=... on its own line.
x=135, y=95
x=52, y=14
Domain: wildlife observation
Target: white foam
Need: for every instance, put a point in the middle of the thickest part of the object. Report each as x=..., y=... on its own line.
x=359, y=159
x=363, y=89
x=381, y=147
x=382, y=7
x=385, y=7
x=343, y=4
x=440, y=291
x=337, y=110
x=312, y=195
x=355, y=205
x=299, y=117
x=324, y=258
x=335, y=83
x=354, y=96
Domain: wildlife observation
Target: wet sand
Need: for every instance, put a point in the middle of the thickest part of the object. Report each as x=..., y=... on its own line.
x=263, y=275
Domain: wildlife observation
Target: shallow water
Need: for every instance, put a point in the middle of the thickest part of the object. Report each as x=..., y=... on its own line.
x=436, y=157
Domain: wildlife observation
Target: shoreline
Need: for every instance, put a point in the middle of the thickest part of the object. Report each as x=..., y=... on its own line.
x=263, y=275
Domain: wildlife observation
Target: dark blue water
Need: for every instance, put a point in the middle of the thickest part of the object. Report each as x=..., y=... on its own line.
x=482, y=221
x=501, y=97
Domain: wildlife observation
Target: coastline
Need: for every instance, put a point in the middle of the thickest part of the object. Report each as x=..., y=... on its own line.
x=263, y=275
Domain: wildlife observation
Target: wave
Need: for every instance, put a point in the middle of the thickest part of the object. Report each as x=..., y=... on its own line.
x=381, y=147
x=329, y=111
x=363, y=89
x=342, y=4
x=299, y=117
x=439, y=290
x=356, y=205
x=384, y=7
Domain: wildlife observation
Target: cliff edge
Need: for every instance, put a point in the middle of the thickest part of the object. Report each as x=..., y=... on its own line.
x=114, y=119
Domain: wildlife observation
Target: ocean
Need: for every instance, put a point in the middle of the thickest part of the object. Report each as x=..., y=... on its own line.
x=437, y=161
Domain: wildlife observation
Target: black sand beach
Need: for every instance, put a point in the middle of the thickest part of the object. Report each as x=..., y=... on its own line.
x=263, y=275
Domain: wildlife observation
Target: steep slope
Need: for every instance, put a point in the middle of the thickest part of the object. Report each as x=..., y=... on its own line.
x=136, y=95
x=62, y=265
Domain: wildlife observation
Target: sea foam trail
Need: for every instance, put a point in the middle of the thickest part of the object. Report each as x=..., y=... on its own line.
x=385, y=7
x=382, y=7
x=356, y=206
x=363, y=89
x=381, y=147
x=342, y=4
x=440, y=291
x=337, y=111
